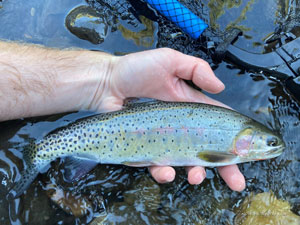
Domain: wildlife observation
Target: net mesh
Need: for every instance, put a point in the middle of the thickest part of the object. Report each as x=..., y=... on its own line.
x=180, y=15
x=170, y=35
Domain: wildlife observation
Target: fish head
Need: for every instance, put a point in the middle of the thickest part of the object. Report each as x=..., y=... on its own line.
x=257, y=143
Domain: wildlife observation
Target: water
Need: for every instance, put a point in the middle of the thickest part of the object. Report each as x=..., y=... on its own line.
x=124, y=195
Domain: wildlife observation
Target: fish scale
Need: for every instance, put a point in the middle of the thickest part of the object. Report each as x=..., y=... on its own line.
x=146, y=129
x=155, y=133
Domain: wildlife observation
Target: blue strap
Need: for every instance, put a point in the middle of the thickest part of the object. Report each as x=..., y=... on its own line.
x=180, y=15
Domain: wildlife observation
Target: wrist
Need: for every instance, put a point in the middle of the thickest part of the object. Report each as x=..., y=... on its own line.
x=38, y=81
x=87, y=82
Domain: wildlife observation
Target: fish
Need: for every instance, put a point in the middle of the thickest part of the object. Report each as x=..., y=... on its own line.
x=151, y=134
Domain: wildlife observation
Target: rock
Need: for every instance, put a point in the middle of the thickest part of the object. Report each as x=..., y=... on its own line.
x=87, y=24
x=146, y=194
x=76, y=205
x=265, y=208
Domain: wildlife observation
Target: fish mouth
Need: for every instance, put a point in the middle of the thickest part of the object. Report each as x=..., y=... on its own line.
x=274, y=152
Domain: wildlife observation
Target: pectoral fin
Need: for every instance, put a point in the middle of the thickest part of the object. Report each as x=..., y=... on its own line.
x=75, y=167
x=216, y=157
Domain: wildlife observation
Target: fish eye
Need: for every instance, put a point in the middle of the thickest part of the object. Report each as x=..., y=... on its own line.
x=272, y=141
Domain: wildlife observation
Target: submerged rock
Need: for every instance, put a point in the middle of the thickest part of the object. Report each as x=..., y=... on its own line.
x=95, y=24
x=101, y=219
x=76, y=205
x=146, y=194
x=87, y=24
x=144, y=37
x=141, y=202
x=265, y=208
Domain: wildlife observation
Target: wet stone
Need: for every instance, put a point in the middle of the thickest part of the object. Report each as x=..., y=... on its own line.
x=88, y=24
x=143, y=199
x=265, y=208
x=74, y=203
x=33, y=208
x=146, y=193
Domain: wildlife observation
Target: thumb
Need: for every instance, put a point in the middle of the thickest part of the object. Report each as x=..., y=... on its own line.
x=190, y=94
x=108, y=104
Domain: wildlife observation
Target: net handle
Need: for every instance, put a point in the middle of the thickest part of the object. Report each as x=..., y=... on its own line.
x=180, y=15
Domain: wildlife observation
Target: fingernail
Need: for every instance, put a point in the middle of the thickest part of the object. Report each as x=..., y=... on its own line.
x=241, y=186
x=199, y=177
x=220, y=85
x=169, y=176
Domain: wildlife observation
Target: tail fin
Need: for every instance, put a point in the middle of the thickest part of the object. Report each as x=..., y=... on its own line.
x=31, y=170
x=27, y=177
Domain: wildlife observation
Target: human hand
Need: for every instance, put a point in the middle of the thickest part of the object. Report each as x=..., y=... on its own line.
x=160, y=74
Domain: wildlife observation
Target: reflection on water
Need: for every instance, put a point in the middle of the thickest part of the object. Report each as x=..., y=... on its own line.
x=256, y=18
x=121, y=195
x=218, y=8
x=144, y=37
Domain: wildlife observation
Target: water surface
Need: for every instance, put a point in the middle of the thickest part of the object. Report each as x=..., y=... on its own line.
x=123, y=195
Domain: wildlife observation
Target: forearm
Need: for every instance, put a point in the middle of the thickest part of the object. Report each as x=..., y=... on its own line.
x=37, y=81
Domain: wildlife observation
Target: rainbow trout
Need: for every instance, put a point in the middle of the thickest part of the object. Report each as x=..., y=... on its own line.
x=147, y=134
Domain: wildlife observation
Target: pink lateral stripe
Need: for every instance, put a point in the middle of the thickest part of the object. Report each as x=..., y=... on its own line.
x=169, y=130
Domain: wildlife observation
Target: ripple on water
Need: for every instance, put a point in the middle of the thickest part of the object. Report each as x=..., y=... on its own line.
x=129, y=194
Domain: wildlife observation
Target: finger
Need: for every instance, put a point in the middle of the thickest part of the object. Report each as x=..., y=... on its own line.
x=108, y=104
x=162, y=174
x=192, y=95
x=196, y=174
x=233, y=177
x=200, y=72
